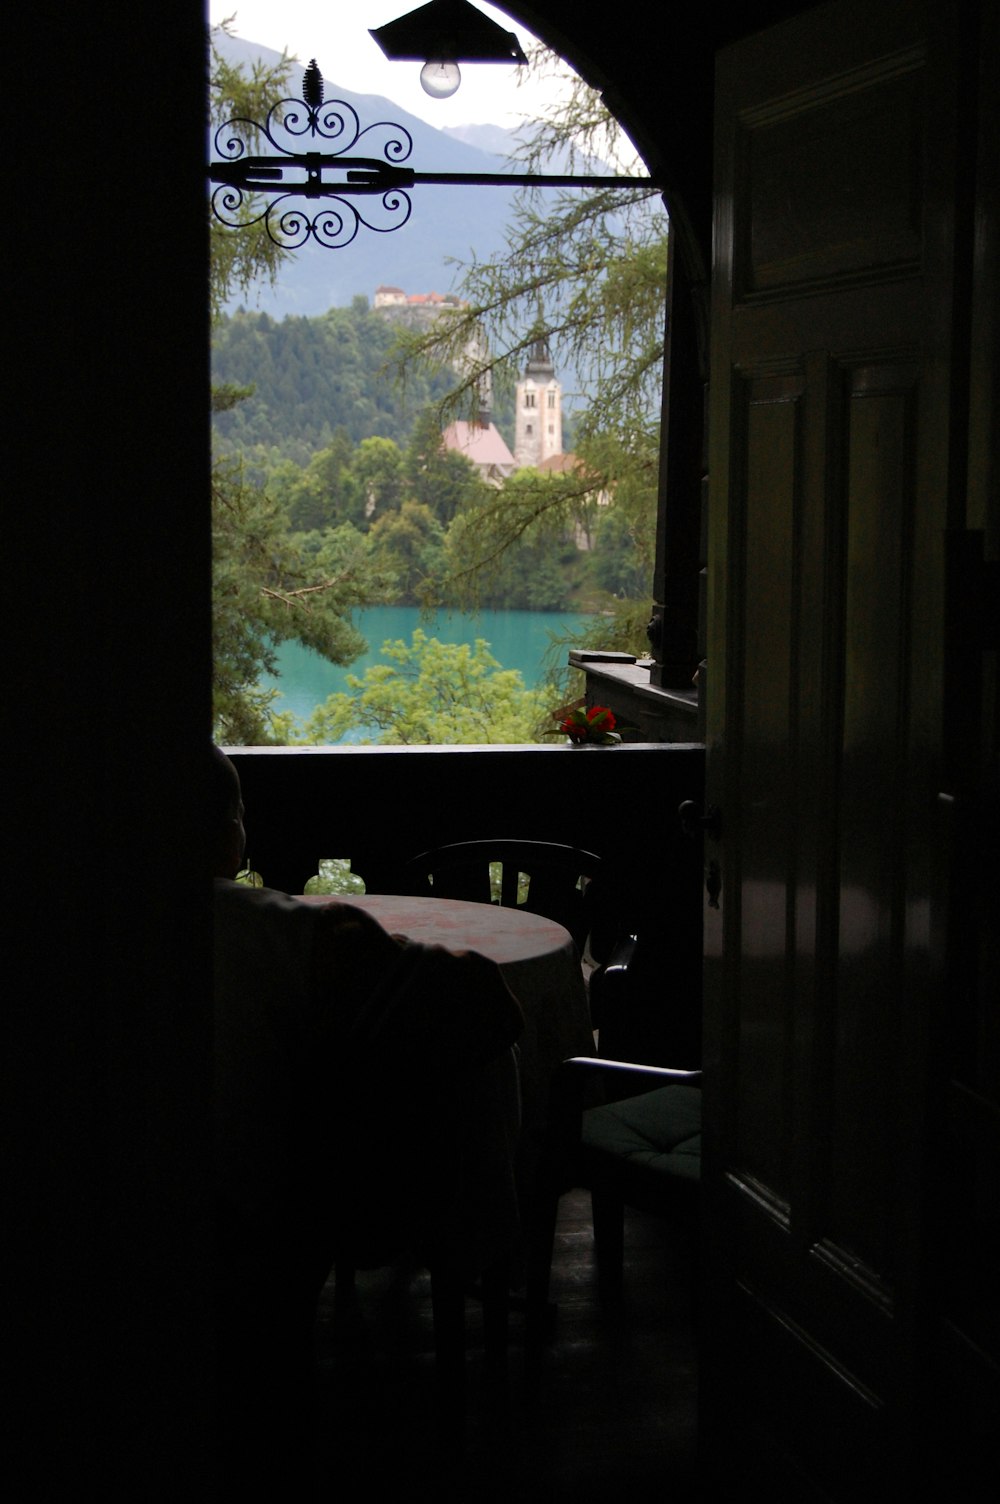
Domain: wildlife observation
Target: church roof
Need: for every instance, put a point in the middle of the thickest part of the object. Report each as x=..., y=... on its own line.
x=560, y=463
x=483, y=446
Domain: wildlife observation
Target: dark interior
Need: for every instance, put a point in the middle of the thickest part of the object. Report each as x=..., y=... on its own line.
x=107, y=1063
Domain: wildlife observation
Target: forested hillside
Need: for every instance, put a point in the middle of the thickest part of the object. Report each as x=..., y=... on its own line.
x=313, y=378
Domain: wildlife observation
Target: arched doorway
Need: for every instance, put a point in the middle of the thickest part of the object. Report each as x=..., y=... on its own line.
x=673, y=630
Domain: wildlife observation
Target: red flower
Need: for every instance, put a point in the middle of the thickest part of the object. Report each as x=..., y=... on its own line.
x=574, y=730
x=594, y=725
x=602, y=716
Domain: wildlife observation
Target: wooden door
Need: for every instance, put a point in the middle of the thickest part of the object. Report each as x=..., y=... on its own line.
x=839, y=418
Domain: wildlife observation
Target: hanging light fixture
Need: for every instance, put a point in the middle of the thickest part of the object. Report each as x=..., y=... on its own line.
x=440, y=79
x=443, y=34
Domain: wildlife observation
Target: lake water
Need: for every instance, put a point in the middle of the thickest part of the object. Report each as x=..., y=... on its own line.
x=517, y=639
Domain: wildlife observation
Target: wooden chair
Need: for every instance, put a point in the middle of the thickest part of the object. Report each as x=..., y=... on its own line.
x=642, y=1149
x=560, y=882
x=643, y=1004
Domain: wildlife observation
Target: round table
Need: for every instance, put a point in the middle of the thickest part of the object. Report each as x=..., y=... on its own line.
x=540, y=964
x=506, y=935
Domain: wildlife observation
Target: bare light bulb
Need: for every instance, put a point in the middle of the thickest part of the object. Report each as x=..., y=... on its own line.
x=440, y=80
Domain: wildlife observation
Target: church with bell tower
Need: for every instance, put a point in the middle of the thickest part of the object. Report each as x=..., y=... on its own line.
x=538, y=420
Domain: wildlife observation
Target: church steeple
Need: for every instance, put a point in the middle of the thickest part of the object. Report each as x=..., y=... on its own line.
x=539, y=364
x=538, y=413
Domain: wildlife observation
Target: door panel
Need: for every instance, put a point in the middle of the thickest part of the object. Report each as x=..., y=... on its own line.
x=836, y=335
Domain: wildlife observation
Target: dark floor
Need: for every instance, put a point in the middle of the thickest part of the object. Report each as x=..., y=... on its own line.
x=612, y=1404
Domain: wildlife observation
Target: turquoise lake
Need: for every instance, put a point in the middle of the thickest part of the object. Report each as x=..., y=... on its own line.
x=518, y=639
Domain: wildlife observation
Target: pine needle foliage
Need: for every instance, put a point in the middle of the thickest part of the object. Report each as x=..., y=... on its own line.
x=587, y=273
x=242, y=260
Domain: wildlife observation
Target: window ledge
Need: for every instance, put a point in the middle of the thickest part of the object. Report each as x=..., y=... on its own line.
x=622, y=683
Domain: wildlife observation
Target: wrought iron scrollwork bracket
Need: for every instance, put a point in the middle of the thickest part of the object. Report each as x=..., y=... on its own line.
x=254, y=189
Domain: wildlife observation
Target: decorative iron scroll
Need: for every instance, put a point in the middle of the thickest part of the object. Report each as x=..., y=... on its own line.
x=335, y=176
x=294, y=174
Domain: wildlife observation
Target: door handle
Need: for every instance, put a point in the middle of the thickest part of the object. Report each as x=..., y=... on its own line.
x=696, y=821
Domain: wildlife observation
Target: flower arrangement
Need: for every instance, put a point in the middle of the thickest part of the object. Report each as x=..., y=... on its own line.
x=594, y=724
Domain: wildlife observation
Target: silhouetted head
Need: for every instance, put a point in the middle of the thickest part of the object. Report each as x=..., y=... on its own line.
x=228, y=836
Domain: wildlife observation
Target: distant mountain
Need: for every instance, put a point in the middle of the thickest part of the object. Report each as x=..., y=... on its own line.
x=446, y=222
x=495, y=139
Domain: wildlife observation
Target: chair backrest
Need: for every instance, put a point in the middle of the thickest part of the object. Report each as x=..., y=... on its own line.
x=541, y=876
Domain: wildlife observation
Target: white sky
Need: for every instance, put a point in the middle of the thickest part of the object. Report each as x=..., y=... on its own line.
x=335, y=33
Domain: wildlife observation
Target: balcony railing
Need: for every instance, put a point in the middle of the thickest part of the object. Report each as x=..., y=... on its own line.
x=380, y=805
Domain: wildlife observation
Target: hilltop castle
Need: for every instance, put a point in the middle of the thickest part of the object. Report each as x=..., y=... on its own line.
x=413, y=308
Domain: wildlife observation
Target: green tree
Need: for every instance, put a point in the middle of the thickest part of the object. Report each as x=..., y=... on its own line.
x=618, y=561
x=532, y=564
x=440, y=478
x=409, y=544
x=377, y=467
x=325, y=493
x=431, y=692
x=267, y=590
